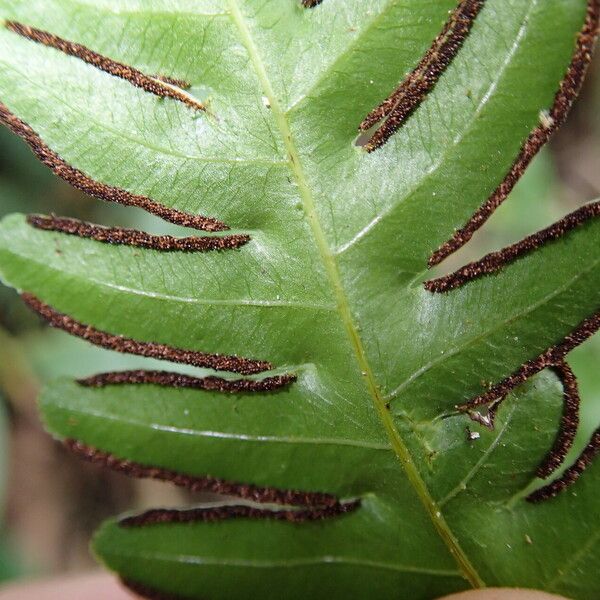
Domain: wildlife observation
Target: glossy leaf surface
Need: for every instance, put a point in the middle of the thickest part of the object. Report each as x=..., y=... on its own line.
x=329, y=288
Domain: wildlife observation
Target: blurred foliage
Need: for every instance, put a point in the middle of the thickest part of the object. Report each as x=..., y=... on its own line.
x=6, y=567
x=8, y=563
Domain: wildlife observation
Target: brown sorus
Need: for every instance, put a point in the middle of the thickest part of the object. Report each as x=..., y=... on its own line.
x=412, y=91
x=133, y=237
x=86, y=184
x=220, y=513
x=193, y=483
x=550, y=358
x=563, y=101
x=178, y=380
x=497, y=260
x=569, y=421
x=553, y=358
x=571, y=475
x=119, y=343
x=138, y=79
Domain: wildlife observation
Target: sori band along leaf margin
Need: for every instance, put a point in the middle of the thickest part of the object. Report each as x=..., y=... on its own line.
x=336, y=389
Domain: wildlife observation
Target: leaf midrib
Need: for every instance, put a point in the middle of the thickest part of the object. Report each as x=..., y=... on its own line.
x=461, y=486
x=331, y=268
x=139, y=292
x=223, y=435
x=584, y=550
x=291, y=563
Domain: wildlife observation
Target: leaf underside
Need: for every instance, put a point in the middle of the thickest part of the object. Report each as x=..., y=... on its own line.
x=324, y=371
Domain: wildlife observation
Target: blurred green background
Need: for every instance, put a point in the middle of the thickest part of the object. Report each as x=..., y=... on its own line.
x=50, y=503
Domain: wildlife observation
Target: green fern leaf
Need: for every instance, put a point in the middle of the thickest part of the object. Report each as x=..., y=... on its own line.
x=379, y=431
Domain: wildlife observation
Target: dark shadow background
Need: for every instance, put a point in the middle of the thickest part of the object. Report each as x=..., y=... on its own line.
x=50, y=503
